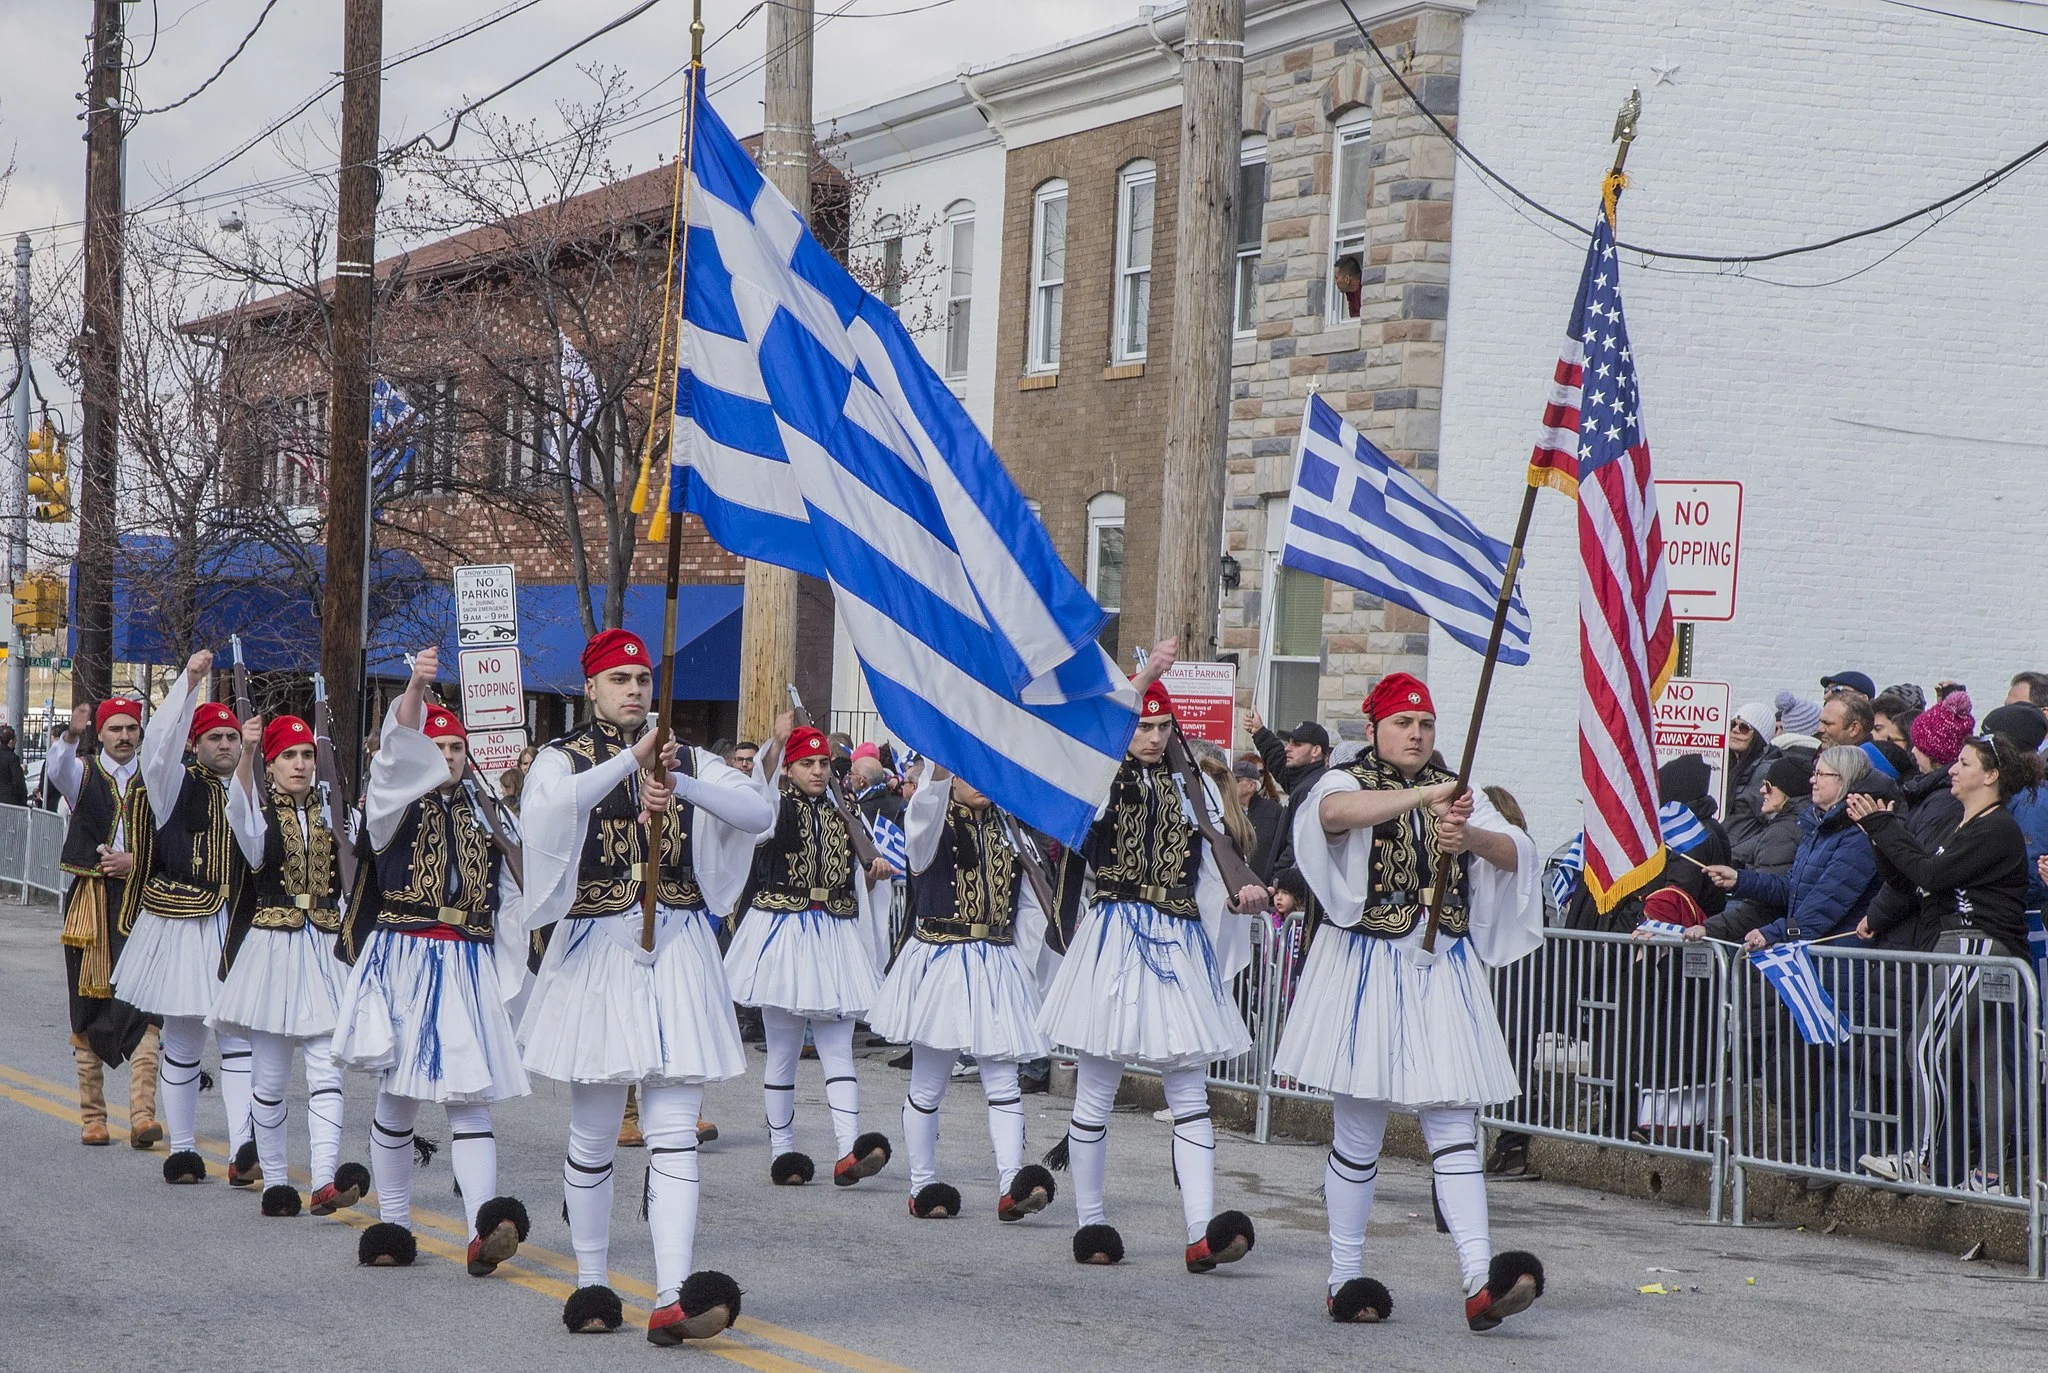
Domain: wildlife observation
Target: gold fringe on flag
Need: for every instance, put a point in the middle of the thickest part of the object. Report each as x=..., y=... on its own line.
x=85, y=928
x=1610, y=193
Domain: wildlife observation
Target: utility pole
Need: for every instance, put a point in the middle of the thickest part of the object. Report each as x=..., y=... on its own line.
x=17, y=486
x=1198, y=389
x=99, y=359
x=344, y=605
x=768, y=628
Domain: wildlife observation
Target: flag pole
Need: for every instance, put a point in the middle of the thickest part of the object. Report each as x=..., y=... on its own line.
x=665, y=679
x=1624, y=135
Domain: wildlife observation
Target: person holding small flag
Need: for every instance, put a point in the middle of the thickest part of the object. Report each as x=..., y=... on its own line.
x=967, y=980
x=1383, y=1021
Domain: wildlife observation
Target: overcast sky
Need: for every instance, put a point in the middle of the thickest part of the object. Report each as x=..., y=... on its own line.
x=180, y=42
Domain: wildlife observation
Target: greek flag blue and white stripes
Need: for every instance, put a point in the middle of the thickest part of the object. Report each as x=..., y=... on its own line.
x=1790, y=972
x=1358, y=517
x=811, y=433
x=1667, y=928
x=1682, y=833
x=891, y=843
x=393, y=439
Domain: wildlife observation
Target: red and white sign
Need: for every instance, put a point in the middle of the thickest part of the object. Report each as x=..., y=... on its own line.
x=493, y=691
x=494, y=752
x=1692, y=717
x=1702, y=527
x=1204, y=699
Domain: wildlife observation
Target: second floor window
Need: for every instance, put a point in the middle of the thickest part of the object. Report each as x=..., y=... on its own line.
x=1347, y=234
x=1106, y=561
x=959, y=286
x=1134, y=187
x=892, y=271
x=1048, y=275
x=1251, y=234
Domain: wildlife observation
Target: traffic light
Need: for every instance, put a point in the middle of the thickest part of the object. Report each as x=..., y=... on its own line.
x=49, y=476
x=39, y=603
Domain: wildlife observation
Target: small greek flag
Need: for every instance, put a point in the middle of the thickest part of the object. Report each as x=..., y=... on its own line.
x=393, y=432
x=1682, y=832
x=1661, y=927
x=1564, y=876
x=890, y=842
x=1790, y=972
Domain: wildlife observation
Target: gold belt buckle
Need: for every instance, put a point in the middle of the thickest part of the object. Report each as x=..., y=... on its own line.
x=820, y=895
x=1152, y=896
x=449, y=915
x=639, y=872
x=1427, y=895
x=978, y=930
x=303, y=901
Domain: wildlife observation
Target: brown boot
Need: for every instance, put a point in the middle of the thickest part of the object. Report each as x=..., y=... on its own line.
x=92, y=1092
x=143, y=1130
x=629, y=1128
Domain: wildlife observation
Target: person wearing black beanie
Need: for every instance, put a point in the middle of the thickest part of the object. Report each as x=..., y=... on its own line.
x=2020, y=722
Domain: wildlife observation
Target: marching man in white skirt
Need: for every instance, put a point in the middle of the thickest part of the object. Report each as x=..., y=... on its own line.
x=1145, y=982
x=424, y=1003
x=607, y=1012
x=1382, y=1024
x=195, y=870
x=967, y=979
x=282, y=983
x=807, y=952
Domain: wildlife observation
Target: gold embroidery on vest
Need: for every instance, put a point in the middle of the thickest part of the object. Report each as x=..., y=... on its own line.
x=1398, y=864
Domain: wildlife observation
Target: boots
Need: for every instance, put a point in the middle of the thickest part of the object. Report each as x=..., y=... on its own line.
x=92, y=1093
x=143, y=1129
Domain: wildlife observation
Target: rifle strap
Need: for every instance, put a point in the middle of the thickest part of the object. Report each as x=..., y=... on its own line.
x=1237, y=874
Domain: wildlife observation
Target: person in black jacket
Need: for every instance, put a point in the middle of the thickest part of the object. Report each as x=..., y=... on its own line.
x=1972, y=884
x=1263, y=811
x=1750, y=756
x=1784, y=791
x=1298, y=759
x=13, y=778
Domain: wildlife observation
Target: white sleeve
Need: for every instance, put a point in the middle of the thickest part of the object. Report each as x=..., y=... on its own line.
x=1027, y=930
x=1337, y=868
x=723, y=846
x=1230, y=934
x=924, y=820
x=555, y=803
x=1506, y=908
x=162, y=762
x=408, y=766
x=63, y=769
x=726, y=794
x=875, y=909
x=245, y=818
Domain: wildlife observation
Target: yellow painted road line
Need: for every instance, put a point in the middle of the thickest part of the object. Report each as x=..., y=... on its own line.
x=53, y=1099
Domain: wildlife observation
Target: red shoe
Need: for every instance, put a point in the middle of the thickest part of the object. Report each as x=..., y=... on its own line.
x=716, y=1302
x=1230, y=1238
x=243, y=1169
x=1513, y=1284
x=500, y=1226
x=870, y=1156
x=351, y=1184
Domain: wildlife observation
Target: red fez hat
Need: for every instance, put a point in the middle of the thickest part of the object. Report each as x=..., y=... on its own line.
x=286, y=731
x=805, y=742
x=1396, y=693
x=114, y=707
x=443, y=724
x=212, y=715
x=1158, y=702
x=610, y=648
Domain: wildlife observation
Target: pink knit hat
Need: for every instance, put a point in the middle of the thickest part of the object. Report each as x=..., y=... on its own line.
x=1939, y=730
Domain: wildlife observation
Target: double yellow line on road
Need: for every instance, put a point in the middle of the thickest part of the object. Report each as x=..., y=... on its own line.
x=447, y=1237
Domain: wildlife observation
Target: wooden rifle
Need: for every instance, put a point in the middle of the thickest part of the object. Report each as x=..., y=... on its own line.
x=244, y=706
x=501, y=834
x=1033, y=864
x=856, y=828
x=1237, y=873
x=338, y=802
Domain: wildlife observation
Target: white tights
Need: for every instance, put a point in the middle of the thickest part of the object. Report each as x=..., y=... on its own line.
x=834, y=1040
x=472, y=1146
x=177, y=1080
x=930, y=1070
x=269, y=1081
x=1451, y=1133
x=1194, y=1140
x=668, y=1118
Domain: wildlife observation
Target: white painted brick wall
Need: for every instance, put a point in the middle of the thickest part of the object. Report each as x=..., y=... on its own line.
x=1892, y=430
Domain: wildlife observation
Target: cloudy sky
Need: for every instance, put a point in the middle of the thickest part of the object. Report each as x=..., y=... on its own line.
x=178, y=43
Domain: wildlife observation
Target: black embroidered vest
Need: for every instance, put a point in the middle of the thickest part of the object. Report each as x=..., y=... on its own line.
x=440, y=871
x=299, y=880
x=1144, y=847
x=808, y=861
x=195, y=866
x=969, y=891
x=1404, y=858
x=612, y=866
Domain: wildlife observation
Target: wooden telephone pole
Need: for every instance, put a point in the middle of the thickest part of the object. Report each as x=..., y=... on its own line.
x=1198, y=390
x=99, y=359
x=344, y=614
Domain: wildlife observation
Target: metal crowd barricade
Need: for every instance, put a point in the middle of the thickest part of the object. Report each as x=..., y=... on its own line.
x=1937, y=1089
x=15, y=845
x=42, y=865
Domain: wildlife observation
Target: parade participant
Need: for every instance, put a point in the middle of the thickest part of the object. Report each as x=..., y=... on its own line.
x=1145, y=983
x=105, y=796
x=281, y=982
x=606, y=1012
x=805, y=952
x=1383, y=1024
x=176, y=925
x=422, y=1006
x=967, y=980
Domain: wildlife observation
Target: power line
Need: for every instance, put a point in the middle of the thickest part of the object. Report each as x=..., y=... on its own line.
x=218, y=71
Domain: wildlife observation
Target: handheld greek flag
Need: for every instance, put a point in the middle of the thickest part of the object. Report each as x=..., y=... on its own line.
x=891, y=843
x=1358, y=517
x=812, y=434
x=1664, y=928
x=1790, y=972
x=392, y=433
x=1682, y=833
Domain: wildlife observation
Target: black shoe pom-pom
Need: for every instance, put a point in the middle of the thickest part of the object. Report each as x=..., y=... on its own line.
x=936, y=1201
x=385, y=1245
x=1228, y=1228
x=281, y=1199
x=1361, y=1301
x=497, y=1211
x=184, y=1166
x=1510, y=1268
x=791, y=1169
x=1033, y=1178
x=352, y=1177
x=1098, y=1244
x=593, y=1311
x=874, y=1141
x=708, y=1290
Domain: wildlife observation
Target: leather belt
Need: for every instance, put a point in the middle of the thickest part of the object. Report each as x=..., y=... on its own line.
x=1151, y=895
x=447, y=915
x=962, y=929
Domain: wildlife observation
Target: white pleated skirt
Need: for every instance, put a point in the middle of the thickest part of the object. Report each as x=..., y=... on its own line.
x=283, y=982
x=805, y=962
x=1142, y=987
x=427, y=1015
x=604, y=1010
x=973, y=996
x=1368, y=1022
x=171, y=967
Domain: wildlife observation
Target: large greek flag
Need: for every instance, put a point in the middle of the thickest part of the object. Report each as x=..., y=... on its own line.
x=1359, y=518
x=810, y=433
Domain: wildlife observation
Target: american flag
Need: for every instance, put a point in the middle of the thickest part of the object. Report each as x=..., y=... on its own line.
x=1592, y=445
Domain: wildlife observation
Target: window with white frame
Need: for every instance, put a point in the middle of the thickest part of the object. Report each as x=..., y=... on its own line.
x=1106, y=560
x=959, y=285
x=1134, y=196
x=1251, y=232
x=1353, y=182
x=1293, y=638
x=1048, y=275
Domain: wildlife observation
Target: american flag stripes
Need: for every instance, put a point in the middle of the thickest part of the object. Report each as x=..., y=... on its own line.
x=1592, y=444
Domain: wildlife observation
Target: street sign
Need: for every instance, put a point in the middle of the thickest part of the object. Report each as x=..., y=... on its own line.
x=1204, y=699
x=486, y=604
x=493, y=693
x=1702, y=527
x=1692, y=717
x=494, y=751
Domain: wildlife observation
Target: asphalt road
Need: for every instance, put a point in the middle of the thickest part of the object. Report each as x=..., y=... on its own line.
x=103, y=1266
